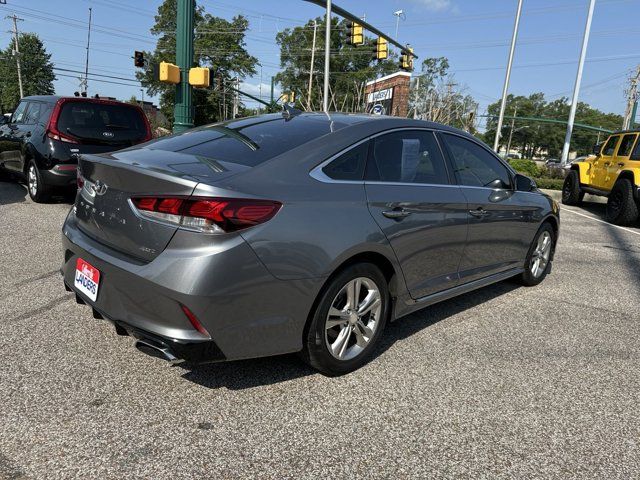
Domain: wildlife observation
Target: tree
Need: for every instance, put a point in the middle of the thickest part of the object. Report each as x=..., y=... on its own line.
x=350, y=66
x=37, y=71
x=534, y=139
x=218, y=44
x=436, y=97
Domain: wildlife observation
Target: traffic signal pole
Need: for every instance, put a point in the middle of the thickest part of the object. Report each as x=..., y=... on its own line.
x=183, y=110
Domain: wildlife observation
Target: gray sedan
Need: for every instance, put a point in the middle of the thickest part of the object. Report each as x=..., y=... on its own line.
x=296, y=233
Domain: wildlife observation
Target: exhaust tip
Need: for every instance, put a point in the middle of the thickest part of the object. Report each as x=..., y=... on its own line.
x=156, y=351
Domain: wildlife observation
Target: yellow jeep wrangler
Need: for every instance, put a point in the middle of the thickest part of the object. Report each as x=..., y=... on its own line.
x=612, y=171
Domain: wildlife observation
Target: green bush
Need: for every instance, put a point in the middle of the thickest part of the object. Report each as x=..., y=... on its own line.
x=550, y=183
x=526, y=167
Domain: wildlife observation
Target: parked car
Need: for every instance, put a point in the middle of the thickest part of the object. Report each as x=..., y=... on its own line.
x=40, y=140
x=306, y=232
x=614, y=172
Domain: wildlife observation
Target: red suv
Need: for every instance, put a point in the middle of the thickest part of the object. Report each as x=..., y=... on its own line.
x=40, y=142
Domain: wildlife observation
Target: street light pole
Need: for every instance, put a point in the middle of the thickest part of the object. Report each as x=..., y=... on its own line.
x=398, y=14
x=505, y=88
x=183, y=109
x=313, y=59
x=327, y=52
x=576, y=88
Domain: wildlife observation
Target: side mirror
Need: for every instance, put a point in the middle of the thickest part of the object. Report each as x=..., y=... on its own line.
x=524, y=183
x=596, y=149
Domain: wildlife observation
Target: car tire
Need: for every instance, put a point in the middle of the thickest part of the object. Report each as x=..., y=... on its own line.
x=622, y=208
x=38, y=190
x=537, y=265
x=571, y=192
x=339, y=339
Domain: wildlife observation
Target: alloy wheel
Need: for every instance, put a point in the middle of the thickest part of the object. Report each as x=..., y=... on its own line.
x=541, y=255
x=353, y=318
x=33, y=180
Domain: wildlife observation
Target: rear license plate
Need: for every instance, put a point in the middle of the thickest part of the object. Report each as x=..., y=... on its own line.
x=87, y=279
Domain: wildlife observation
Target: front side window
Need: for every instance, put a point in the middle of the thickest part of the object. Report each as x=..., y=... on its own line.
x=474, y=165
x=610, y=146
x=19, y=113
x=635, y=155
x=411, y=156
x=626, y=145
x=349, y=165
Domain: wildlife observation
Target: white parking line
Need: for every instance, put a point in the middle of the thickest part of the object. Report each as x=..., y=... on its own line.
x=565, y=209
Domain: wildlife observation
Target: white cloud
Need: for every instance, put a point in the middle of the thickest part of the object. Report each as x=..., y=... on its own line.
x=436, y=5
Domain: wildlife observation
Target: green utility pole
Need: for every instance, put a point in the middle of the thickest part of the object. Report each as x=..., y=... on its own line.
x=273, y=81
x=183, y=110
x=634, y=112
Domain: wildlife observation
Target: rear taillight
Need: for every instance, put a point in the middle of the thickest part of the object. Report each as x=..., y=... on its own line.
x=210, y=215
x=79, y=179
x=52, y=126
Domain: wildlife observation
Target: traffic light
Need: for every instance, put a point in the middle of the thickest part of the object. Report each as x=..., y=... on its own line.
x=199, y=77
x=169, y=73
x=289, y=97
x=138, y=59
x=406, y=59
x=382, y=48
x=356, y=33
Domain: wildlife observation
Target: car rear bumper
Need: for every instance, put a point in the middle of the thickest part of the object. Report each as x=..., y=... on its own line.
x=247, y=312
x=61, y=175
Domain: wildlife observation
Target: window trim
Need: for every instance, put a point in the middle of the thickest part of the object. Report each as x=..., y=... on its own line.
x=510, y=171
x=618, y=136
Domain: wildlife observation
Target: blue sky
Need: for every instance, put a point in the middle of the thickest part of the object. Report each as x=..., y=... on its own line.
x=473, y=34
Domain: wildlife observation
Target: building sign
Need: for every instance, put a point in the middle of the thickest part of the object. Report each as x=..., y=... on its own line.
x=380, y=96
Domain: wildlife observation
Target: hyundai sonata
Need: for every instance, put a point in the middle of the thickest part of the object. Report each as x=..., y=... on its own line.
x=296, y=233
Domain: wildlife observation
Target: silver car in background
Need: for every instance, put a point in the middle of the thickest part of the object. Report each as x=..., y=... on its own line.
x=296, y=233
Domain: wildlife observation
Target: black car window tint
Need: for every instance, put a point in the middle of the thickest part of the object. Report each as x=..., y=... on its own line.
x=610, y=146
x=635, y=155
x=475, y=166
x=18, y=114
x=407, y=157
x=33, y=113
x=626, y=145
x=349, y=165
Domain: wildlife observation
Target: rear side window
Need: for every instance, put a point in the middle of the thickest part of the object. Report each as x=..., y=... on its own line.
x=245, y=142
x=610, y=146
x=474, y=165
x=106, y=122
x=626, y=145
x=350, y=165
x=635, y=155
x=33, y=113
x=407, y=157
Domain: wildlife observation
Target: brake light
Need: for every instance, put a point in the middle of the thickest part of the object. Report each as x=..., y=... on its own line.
x=52, y=126
x=79, y=179
x=209, y=215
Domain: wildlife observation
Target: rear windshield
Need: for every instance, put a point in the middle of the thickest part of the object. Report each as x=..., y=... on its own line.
x=247, y=142
x=102, y=122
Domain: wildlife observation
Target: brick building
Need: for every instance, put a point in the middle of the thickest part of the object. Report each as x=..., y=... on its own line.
x=389, y=95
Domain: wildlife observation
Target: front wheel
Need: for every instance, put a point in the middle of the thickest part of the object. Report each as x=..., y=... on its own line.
x=621, y=206
x=348, y=320
x=538, y=262
x=571, y=192
x=38, y=190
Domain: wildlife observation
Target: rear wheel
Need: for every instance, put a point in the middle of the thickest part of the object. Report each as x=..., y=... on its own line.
x=571, y=192
x=538, y=262
x=38, y=190
x=348, y=320
x=621, y=206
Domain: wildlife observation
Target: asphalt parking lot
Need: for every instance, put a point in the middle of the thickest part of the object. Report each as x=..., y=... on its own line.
x=504, y=382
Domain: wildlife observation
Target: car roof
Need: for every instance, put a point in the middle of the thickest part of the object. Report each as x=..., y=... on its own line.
x=337, y=120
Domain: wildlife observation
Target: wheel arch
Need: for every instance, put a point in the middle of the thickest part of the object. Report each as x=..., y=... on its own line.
x=582, y=170
x=555, y=225
x=632, y=175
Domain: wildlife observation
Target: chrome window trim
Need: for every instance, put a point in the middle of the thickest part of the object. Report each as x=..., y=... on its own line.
x=317, y=173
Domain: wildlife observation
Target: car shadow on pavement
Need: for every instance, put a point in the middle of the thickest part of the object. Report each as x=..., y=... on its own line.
x=243, y=374
x=12, y=192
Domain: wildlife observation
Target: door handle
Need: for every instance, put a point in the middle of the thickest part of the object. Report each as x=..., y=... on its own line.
x=478, y=213
x=396, y=214
x=621, y=164
x=606, y=164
